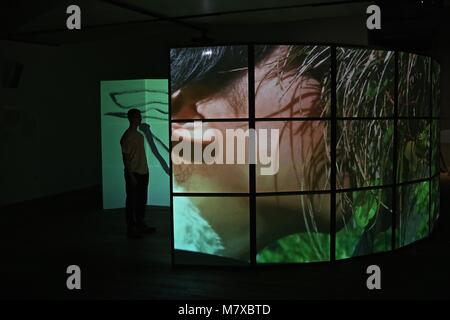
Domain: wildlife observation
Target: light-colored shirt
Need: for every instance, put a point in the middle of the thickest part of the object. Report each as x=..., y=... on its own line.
x=132, y=143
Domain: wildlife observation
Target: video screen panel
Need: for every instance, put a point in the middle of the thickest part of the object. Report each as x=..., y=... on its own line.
x=293, y=229
x=435, y=143
x=292, y=81
x=413, y=85
x=436, y=88
x=217, y=226
x=435, y=202
x=364, y=222
x=413, y=150
x=303, y=155
x=292, y=178
x=364, y=82
x=412, y=213
x=151, y=98
x=364, y=153
x=209, y=82
x=209, y=157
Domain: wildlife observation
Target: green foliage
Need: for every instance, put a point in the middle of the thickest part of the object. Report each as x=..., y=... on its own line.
x=366, y=207
x=365, y=82
x=387, y=137
x=414, y=85
x=309, y=247
x=435, y=200
x=297, y=248
x=383, y=241
x=413, y=150
x=365, y=87
x=364, y=211
x=364, y=152
x=436, y=90
x=413, y=213
x=435, y=142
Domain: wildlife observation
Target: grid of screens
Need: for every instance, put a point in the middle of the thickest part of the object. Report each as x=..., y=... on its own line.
x=300, y=153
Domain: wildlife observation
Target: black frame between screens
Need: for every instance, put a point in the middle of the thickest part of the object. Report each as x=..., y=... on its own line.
x=333, y=118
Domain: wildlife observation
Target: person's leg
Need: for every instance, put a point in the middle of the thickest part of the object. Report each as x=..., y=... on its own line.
x=140, y=213
x=130, y=209
x=141, y=198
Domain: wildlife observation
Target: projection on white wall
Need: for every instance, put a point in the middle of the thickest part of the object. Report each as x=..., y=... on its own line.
x=151, y=98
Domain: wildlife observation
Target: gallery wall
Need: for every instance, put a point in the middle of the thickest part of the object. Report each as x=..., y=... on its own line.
x=50, y=132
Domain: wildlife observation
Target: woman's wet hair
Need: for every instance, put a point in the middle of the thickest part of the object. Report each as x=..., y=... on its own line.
x=216, y=66
x=218, y=69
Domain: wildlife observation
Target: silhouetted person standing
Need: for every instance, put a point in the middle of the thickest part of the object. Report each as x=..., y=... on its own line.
x=136, y=176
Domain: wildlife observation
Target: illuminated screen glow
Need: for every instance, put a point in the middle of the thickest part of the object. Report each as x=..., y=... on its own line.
x=149, y=96
x=338, y=132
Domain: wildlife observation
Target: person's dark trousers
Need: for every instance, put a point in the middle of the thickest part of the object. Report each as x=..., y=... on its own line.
x=136, y=199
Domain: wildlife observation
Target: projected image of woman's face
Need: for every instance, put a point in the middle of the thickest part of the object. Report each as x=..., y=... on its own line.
x=212, y=84
x=217, y=135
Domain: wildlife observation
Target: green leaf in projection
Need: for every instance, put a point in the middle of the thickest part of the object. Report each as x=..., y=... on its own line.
x=424, y=139
x=365, y=210
x=388, y=135
x=410, y=155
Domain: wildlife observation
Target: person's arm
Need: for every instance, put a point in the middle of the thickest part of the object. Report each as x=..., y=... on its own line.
x=127, y=164
x=126, y=156
x=149, y=135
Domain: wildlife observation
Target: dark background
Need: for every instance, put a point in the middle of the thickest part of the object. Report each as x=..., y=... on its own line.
x=50, y=154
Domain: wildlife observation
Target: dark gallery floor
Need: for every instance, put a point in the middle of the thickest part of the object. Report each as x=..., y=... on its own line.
x=39, y=239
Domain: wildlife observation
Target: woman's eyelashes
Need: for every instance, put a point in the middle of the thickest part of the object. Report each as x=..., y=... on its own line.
x=215, y=108
x=184, y=105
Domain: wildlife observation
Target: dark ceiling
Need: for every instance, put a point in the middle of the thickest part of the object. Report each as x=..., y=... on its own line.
x=409, y=24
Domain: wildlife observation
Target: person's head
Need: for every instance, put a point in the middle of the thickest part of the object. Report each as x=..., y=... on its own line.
x=134, y=117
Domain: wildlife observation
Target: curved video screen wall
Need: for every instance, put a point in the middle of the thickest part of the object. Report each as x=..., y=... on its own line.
x=300, y=153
